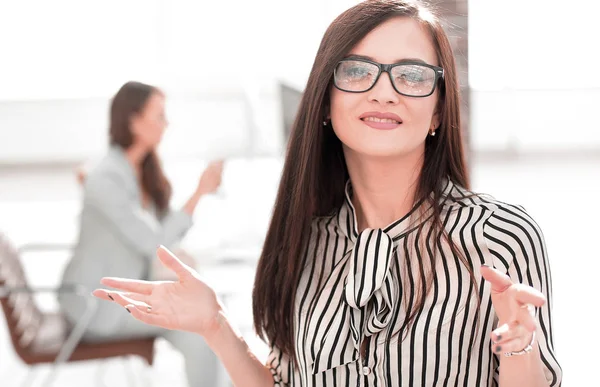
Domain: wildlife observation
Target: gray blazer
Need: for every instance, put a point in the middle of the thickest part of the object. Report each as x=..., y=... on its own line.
x=117, y=238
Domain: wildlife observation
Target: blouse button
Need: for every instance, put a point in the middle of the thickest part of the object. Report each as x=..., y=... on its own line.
x=366, y=370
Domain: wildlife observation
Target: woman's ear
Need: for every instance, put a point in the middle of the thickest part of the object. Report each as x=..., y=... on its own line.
x=436, y=119
x=435, y=122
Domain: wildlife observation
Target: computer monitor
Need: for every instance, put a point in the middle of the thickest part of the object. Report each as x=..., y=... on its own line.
x=290, y=101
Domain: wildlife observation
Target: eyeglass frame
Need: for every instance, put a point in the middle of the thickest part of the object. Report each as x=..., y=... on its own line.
x=438, y=73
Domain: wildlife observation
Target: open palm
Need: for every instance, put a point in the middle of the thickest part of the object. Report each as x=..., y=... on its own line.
x=514, y=304
x=186, y=304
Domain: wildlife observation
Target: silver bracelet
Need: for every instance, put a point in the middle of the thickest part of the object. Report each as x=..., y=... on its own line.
x=524, y=351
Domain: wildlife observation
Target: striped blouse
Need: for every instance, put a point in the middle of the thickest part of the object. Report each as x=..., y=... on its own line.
x=356, y=286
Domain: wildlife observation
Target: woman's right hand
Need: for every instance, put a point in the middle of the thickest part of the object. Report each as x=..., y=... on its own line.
x=187, y=304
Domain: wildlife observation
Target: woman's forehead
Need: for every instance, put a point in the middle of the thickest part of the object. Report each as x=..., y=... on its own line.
x=395, y=40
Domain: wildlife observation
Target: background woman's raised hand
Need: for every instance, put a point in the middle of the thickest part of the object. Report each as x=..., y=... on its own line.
x=211, y=178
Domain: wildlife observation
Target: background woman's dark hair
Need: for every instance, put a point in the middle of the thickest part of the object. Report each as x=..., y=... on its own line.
x=314, y=173
x=129, y=100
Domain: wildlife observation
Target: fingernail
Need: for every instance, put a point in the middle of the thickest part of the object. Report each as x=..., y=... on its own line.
x=498, y=338
x=109, y=296
x=127, y=309
x=484, y=265
x=498, y=348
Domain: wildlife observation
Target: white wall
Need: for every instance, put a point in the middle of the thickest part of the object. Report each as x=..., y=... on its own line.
x=532, y=74
x=535, y=120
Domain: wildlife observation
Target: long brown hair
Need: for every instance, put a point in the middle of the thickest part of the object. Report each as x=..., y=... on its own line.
x=314, y=174
x=129, y=100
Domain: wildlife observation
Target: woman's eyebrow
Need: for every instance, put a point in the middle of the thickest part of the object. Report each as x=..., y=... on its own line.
x=364, y=57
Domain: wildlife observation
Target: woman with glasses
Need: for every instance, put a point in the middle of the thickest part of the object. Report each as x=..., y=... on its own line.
x=126, y=214
x=380, y=267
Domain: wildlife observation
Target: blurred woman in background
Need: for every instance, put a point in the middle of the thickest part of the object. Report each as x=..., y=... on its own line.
x=126, y=215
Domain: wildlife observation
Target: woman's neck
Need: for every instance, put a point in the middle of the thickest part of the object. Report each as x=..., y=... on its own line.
x=383, y=188
x=135, y=154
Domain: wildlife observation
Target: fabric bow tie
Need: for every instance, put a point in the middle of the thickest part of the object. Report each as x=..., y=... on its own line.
x=368, y=302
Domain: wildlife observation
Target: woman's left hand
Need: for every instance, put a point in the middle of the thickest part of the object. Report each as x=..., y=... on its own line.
x=513, y=303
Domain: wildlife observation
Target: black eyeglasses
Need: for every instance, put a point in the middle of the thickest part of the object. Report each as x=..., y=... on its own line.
x=409, y=78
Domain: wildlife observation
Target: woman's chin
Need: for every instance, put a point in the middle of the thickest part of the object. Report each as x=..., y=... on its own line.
x=373, y=150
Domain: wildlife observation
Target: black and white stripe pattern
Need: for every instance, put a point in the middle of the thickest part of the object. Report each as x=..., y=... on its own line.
x=356, y=288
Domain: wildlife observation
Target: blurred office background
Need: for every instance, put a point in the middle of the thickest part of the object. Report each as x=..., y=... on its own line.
x=232, y=72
